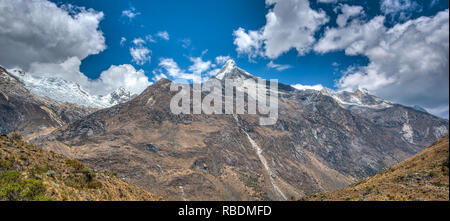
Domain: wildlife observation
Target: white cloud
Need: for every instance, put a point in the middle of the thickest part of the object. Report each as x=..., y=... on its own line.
x=199, y=69
x=122, y=41
x=316, y=87
x=354, y=38
x=47, y=40
x=213, y=72
x=140, y=55
x=172, y=69
x=249, y=44
x=150, y=38
x=220, y=60
x=130, y=13
x=158, y=76
x=139, y=52
x=138, y=41
x=185, y=43
x=327, y=1
x=125, y=76
x=278, y=67
x=164, y=35
x=199, y=66
x=68, y=70
x=399, y=7
x=347, y=13
x=40, y=31
x=400, y=10
x=408, y=62
x=289, y=24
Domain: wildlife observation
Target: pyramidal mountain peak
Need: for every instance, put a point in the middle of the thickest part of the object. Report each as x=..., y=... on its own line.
x=230, y=70
x=326, y=140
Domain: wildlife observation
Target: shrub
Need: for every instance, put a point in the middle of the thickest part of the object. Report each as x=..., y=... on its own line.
x=16, y=136
x=41, y=169
x=6, y=164
x=75, y=164
x=13, y=186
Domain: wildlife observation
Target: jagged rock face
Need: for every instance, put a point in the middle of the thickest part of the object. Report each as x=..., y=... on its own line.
x=121, y=95
x=317, y=144
x=21, y=111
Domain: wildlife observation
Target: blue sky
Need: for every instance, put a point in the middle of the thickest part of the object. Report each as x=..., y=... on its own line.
x=209, y=26
x=337, y=44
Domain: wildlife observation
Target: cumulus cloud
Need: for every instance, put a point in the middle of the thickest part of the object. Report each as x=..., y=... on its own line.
x=199, y=66
x=327, y=1
x=289, y=24
x=40, y=31
x=116, y=76
x=46, y=40
x=125, y=76
x=248, y=43
x=220, y=60
x=408, y=62
x=278, y=67
x=347, y=13
x=130, y=13
x=355, y=38
x=158, y=76
x=316, y=87
x=139, y=53
x=163, y=35
x=213, y=72
x=169, y=67
x=138, y=41
x=401, y=9
x=198, y=71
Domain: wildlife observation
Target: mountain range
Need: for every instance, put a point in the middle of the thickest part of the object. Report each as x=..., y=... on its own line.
x=322, y=140
x=61, y=90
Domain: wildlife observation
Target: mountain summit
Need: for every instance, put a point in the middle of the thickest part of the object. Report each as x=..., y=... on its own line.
x=231, y=71
x=317, y=143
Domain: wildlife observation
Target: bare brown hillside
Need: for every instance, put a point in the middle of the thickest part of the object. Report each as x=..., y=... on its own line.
x=422, y=177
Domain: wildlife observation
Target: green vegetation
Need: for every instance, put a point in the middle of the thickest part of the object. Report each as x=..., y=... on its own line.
x=41, y=169
x=6, y=164
x=82, y=177
x=16, y=136
x=28, y=173
x=14, y=186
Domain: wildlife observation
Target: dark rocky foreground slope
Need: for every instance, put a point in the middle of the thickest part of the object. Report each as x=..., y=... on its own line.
x=319, y=143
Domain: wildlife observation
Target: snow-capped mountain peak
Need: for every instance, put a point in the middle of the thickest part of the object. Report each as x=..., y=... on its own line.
x=59, y=89
x=120, y=95
x=231, y=71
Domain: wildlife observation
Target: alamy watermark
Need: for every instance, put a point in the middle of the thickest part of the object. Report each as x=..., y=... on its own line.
x=247, y=96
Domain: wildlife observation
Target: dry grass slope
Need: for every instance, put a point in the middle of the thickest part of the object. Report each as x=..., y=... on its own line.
x=30, y=173
x=422, y=177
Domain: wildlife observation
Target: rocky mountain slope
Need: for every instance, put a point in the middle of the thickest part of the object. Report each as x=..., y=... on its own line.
x=29, y=173
x=24, y=112
x=65, y=91
x=317, y=144
x=422, y=177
